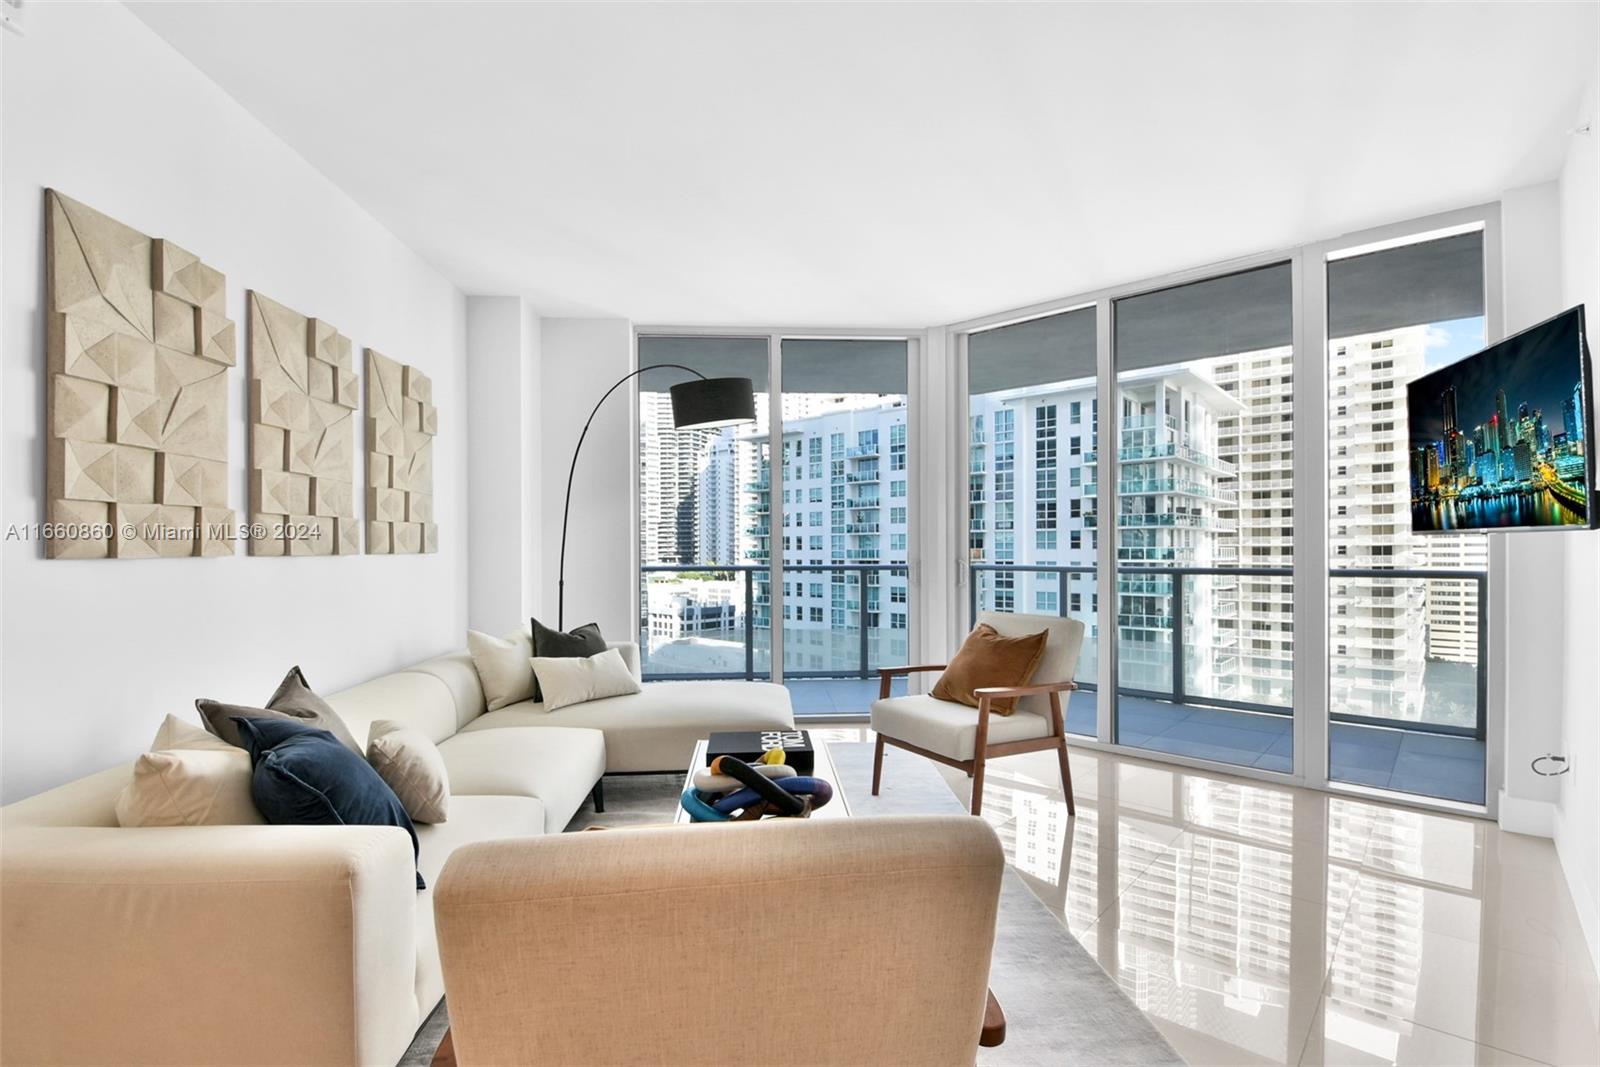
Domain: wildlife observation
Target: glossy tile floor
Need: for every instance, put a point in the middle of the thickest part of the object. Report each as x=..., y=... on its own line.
x=1262, y=924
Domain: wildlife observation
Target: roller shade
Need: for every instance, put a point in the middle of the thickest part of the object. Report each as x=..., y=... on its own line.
x=1233, y=313
x=833, y=365
x=715, y=357
x=1430, y=281
x=1055, y=348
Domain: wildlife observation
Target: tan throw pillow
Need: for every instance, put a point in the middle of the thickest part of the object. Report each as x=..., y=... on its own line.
x=569, y=680
x=503, y=667
x=410, y=764
x=986, y=660
x=189, y=778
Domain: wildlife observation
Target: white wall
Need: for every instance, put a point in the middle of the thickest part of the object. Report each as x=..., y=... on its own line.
x=502, y=361
x=98, y=651
x=1577, y=823
x=579, y=360
x=1532, y=563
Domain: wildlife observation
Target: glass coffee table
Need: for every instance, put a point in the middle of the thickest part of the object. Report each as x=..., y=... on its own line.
x=837, y=808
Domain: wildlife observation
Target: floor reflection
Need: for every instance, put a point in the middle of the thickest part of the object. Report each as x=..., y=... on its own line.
x=1257, y=923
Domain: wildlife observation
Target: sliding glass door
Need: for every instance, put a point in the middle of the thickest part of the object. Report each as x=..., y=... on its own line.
x=1203, y=523
x=842, y=541
x=801, y=529
x=703, y=519
x=1406, y=627
x=1033, y=418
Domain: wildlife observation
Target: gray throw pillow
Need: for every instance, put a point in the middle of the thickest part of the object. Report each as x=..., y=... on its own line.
x=294, y=700
x=584, y=641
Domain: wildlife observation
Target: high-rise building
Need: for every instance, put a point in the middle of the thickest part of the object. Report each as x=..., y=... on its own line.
x=845, y=501
x=671, y=463
x=717, y=504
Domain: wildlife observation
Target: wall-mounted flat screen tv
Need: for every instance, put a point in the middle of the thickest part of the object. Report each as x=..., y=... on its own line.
x=1504, y=439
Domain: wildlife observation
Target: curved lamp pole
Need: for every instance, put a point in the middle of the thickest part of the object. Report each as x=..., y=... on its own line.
x=699, y=403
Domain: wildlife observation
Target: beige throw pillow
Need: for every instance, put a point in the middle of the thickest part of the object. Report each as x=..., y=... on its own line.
x=575, y=679
x=410, y=764
x=189, y=778
x=503, y=667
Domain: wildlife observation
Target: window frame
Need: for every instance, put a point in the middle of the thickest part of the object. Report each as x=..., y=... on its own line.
x=1311, y=559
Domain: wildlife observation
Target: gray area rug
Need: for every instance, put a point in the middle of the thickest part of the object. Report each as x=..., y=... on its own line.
x=1061, y=1008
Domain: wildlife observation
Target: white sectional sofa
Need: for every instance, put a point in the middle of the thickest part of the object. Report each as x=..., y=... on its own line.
x=301, y=944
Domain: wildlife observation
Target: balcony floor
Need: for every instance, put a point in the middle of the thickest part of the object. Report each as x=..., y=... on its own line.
x=1407, y=761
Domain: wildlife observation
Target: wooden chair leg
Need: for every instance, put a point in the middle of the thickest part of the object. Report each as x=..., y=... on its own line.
x=994, y=1023
x=445, y=1054
x=877, y=765
x=1058, y=724
x=977, y=781
x=980, y=752
x=1066, y=777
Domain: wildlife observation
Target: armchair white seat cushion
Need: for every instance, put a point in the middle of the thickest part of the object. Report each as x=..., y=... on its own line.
x=948, y=728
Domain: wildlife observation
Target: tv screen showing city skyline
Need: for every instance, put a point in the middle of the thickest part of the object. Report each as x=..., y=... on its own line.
x=1501, y=439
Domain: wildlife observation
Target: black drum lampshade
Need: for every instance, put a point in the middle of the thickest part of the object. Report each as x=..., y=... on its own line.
x=710, y=402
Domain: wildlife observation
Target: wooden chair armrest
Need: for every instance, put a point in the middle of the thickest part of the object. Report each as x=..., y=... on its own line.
x=887, y=673
x=1004, y=692
x=898, y=672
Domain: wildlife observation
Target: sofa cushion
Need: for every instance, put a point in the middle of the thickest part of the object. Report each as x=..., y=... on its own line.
x=456, y=671
x=558, y=767
x=656, y=728
x=950, y=729
x=420, y=701
x=472, y=819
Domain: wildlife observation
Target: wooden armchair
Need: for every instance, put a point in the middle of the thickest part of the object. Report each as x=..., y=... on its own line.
x=951, y=734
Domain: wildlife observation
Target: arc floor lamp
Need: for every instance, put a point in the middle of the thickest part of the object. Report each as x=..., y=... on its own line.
x=699, y=404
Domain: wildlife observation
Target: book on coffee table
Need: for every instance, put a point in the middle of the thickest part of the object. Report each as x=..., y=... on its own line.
x=751, y=745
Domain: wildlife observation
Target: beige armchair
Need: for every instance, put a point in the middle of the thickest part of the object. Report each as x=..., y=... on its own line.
x=955, y=735
x=821, y=941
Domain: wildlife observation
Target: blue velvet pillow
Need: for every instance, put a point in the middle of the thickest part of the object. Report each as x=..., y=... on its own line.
x=306, y=776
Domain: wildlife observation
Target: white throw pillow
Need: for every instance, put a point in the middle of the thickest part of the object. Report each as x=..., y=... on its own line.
x=410, y=764
x=189, y=778
x=567, y=680
x=503, y=667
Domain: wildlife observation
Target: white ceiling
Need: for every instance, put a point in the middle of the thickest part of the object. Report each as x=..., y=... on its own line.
x=888, y=164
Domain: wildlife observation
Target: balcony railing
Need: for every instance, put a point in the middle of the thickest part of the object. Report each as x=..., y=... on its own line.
x=863, y=580
x=1171, y=584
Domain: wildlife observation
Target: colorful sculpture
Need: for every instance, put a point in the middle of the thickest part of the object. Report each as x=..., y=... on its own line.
x=733, y=790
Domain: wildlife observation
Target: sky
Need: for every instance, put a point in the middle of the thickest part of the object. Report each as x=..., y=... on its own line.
x=1450, y=341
